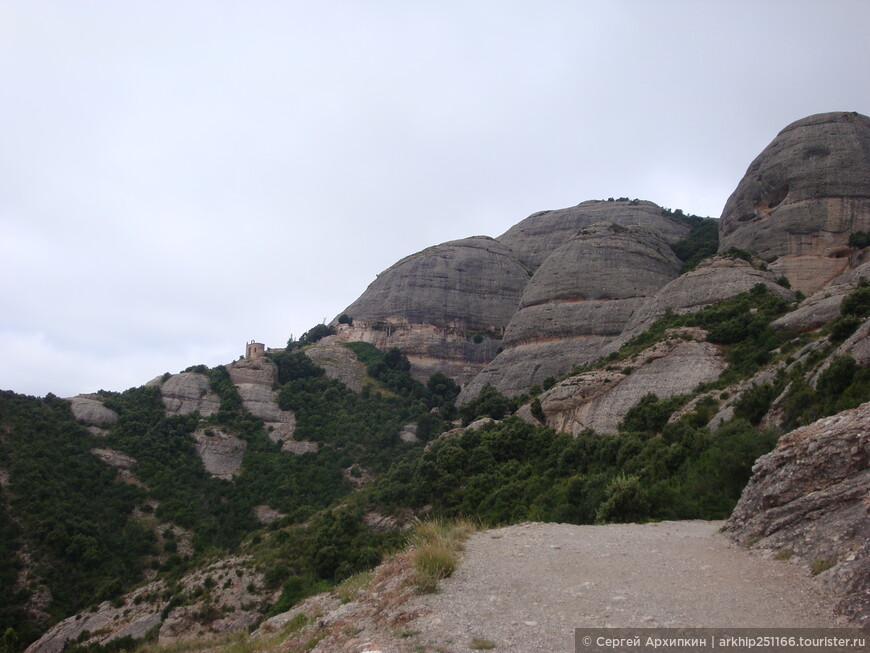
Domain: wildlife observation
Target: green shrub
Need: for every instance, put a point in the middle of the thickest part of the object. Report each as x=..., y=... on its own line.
x=819, y=565
x=624, y=501
x=701, y=242
x=650, y=414
x=538, y=410
x=857, y=302
x=489, y=403
x=755, y=402
x=860, y=239
x=838, y=376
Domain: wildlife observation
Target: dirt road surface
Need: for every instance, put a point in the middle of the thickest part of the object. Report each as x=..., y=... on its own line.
x=526, y=587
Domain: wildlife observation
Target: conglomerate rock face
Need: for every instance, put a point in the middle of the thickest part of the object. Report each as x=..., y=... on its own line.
x=189, y=392
x=221, y=453
x=599, y=399
x=810, y=497
x=255, y=380
x=338, y=362
x=534, y=239
x=802, y=197
x=470, y=284
x=579, y=299
x=713, y=280
x=444, y=307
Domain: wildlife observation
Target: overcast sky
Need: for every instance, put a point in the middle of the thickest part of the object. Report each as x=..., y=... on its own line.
x=180, y=177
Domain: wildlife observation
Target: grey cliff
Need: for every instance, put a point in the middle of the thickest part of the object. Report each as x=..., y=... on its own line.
x=810, y=497
x=802, y=197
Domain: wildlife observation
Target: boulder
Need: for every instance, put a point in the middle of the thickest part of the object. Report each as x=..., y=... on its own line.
x=299, y=447
x=823, y=306
x=189, y=392
x=815, y=311
x=517, y=369
x=338, y=362
x=266, y=514
x=856, y=346
x=802, y=197
x=122, y=462
x=90, y=411
x=534, y=239
x=458, y=354
x=255, y=380
x=220, y=452
x=262, y=402
x=810, y=497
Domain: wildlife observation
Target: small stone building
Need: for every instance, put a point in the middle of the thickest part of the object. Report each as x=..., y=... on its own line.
x=255, y=350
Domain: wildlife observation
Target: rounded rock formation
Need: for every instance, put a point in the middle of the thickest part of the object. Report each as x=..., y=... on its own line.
x=445, y=306
x=578, y=300
x=802, y=197
x=715, y=279
x=473, y=283
x=534, y=239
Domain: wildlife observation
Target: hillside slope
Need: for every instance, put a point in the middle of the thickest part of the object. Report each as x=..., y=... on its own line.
x=615, y=370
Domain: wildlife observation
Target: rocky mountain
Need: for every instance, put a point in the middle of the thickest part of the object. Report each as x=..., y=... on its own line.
x=564, y=287
x=802, y=197
x=445, y=307
x=508, y=311
x=616, y=363
x=808, y=502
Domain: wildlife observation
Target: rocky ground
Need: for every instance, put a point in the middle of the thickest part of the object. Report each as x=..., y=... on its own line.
x=526, y=587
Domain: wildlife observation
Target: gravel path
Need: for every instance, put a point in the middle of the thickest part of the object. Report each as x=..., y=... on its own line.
x=527, y=587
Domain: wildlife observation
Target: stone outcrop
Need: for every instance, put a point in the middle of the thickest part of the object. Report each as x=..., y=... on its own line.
x=713, y=280
x=114, y=458
x=814, y=312
x=220, y=452
x=259, y=371
x=802, y=197
x=188, y=392
x=578, y=300
x=599, y=399
x=120, y=461
x=823, y=306
x=235, y=586
x=534, y=239
x=267, y=514
x=470, y=284
x=338, y=362
x=262, y=402
x=457, y=353
x=255, y=380
x=90, y=411
x=810, y=497
x=433, y=303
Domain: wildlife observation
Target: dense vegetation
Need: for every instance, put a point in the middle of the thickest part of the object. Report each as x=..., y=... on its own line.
x=513, y=471
x=89, y=537
x=702, y=240
x=69, y=510
x=79, y=521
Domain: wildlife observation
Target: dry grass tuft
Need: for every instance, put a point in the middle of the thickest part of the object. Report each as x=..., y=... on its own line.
x=437, y=545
